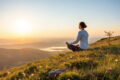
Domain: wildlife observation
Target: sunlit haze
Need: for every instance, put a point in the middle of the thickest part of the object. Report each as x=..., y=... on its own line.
x=57, y=18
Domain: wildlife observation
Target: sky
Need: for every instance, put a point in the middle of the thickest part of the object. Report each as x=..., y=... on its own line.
x=58, y=18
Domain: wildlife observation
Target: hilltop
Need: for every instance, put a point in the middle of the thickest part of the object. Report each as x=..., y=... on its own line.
x=100, y=62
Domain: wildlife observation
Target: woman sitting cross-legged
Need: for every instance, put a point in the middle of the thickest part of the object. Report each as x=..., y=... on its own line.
x=82, y=37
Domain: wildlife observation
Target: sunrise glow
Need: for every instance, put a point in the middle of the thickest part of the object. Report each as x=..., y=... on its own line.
x=22, y=27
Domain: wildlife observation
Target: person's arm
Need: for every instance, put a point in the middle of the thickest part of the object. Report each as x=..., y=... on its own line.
x=77, y=39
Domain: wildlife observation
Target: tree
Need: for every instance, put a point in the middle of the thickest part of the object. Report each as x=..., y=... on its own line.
x=109, y=35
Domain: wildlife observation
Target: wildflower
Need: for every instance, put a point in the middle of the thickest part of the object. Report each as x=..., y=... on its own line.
x=116, y=60
x=24, y=74
x=8, y=72
x=47, y=66
x=40, y=66
x=110, y=69
x=71, y=57
x=32, y=74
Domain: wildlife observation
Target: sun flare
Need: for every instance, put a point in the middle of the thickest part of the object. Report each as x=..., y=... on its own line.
x=22, y=27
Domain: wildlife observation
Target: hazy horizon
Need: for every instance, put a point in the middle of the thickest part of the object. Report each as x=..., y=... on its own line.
x=57, y=18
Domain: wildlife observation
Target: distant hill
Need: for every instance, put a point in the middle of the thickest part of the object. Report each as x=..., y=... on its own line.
x=14, y=57
x=103, y=42
x=100, y=62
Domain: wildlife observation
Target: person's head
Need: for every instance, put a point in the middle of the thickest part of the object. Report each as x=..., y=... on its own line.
x=82, y=25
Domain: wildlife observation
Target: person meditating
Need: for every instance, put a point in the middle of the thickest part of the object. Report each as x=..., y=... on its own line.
x=82, y=37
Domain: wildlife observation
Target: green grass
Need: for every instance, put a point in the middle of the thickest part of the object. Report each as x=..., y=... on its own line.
x=100, y=62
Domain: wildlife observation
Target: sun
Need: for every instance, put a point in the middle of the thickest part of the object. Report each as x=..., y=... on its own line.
x=22, y=27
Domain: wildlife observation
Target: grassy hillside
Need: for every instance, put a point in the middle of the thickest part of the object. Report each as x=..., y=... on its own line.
x=100, y=62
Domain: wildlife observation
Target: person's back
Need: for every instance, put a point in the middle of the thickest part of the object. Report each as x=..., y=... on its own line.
x=82, y=37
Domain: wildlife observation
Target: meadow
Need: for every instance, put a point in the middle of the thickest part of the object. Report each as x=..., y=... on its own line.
x=100, y=62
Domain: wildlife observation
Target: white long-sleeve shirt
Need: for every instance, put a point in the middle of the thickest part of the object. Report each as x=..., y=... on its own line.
x=82, y=37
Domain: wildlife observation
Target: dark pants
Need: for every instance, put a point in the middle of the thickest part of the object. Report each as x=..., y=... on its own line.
x=74, y=48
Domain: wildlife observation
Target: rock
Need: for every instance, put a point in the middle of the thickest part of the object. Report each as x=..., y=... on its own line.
x=55, y=73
